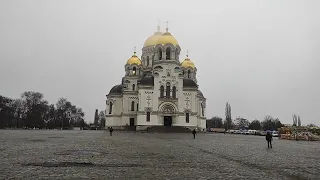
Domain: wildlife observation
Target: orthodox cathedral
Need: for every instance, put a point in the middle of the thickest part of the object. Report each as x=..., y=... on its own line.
x=157, y=89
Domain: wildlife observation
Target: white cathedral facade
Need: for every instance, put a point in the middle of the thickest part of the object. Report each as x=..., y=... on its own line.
x=157, y=90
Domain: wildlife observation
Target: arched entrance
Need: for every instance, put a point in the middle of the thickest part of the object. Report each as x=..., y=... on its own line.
x=168, y=111
x=167, y=120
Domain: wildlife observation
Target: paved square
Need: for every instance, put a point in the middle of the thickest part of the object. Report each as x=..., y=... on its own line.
x=33, y=154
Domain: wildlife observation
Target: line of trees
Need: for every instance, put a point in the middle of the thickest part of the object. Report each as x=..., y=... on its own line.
x=99, y=119
x=32, y=111
x=269, y=123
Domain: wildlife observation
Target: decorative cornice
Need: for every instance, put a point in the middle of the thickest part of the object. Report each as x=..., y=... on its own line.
x=145, y=86
x=113, y=115
x=164, y=99
x=190, y=89
x=166, y=62
x=131, y=93
x=114, y=96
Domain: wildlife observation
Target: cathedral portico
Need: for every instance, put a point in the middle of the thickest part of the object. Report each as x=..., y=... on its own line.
x=157, y=90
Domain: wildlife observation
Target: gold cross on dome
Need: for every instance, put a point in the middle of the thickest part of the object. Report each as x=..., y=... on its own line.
x=158, y=25
x=167, y=22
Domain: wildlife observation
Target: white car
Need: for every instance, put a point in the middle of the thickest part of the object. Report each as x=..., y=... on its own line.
x=252, y=132
x=262, y=133
x=275, y=134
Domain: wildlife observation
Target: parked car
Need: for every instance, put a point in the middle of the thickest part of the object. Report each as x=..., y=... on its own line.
x=252, y=132
x=275, y=134
x=263, y=133
x=237, y=132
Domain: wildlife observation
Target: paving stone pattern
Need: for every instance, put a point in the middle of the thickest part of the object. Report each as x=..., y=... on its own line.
x=43, y=154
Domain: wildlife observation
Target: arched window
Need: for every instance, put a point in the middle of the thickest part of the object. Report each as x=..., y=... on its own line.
x=168, y=53
x=110, y=108
x=137, y=106
x=168, y=91
x=148, y=116
x=183, y=72
x=174, y=89
x=134, y=71
x=147, y=60
x=187, y=117
x=133, y=87
x=132, y=106
x=202, y=110
x=158, y=67
x=160, y=53
x=161, y=91
x=189, y=73
x=177, y=54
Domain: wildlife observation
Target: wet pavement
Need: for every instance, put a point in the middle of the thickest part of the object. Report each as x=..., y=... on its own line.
x=43, y=154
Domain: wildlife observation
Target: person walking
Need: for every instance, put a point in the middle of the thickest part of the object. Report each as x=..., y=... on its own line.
x=269, y=139
x=110, y=130
x=194, y=133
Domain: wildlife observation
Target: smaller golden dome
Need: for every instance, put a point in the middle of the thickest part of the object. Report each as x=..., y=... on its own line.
x=167, y=38
x=134, y=60
x=187, y=63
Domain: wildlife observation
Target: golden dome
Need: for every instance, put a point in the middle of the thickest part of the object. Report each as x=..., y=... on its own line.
x=187, y=63
x=167, y=38
x=134, y=60
x=152, y=40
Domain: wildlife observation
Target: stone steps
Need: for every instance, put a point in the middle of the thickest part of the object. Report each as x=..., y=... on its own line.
x=169, y=129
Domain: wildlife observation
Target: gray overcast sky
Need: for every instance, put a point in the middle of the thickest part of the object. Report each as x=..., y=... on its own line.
x=261, y=56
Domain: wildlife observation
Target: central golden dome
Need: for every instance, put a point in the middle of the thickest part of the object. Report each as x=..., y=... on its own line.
x=134, y=60
x=167, y=38
x=152, y=40
x=187, y=63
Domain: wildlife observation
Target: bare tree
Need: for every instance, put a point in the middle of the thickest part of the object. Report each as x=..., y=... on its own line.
x=96, y=118
x=242, y=123
x=299, y=121
x=102, y=119
x=294, y=118
x=228, y=120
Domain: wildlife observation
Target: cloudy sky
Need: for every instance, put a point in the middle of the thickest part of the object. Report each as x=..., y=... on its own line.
x=261, y=56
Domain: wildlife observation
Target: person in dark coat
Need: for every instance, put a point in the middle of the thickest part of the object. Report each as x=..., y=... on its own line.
x=194, y=133
x=111, y=130
x=269, y=139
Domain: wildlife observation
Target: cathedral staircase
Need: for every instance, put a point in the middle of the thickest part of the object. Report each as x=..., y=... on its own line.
x=169, y=129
